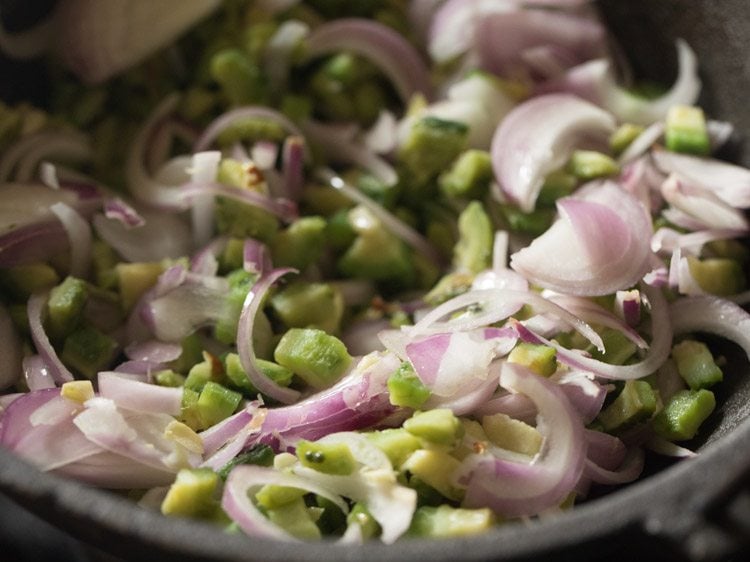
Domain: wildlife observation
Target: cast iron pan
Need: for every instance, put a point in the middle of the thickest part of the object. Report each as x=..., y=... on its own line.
x=697, y=509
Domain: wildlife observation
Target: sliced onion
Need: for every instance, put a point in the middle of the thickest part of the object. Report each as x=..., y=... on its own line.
x=250, y=309
x=513, y=488
x=537, y=137
x=394, y=225
x=204, y=169
x=729, y=182
x=604, y=450
x=628, y=306
x=140, y=396
x=496, y=305
x=35, y=308
x=99, y=39
x=26, y=154
x=384, y=47
x=502, y=38
x=471, y=399
x=373, y=482
x=243, y=480
x=599, y=246
x=79, y=237
x=642, y=142
x=702, y=205
x=596, y=82
x=117, y=209
x=293, y=166
x=205, y=262
x=228, y=119
x=630, y=470
x=661, y=342
x=712, y=315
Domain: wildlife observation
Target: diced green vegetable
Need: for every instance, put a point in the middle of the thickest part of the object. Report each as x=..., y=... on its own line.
x=236, y=374
x=192, y=494
x=511, y=434
x=437, y=426
x=360, y=515
x=718, y=276
x=314, y=305
x=169, y=378
x=318, y=358
x=22, y=281
x=134, y=279
x=684, y=413
x=635, y=403
x=296, y=519
x=432, y=144
x=474, y=249
x=617, y=347
x=300, y=244
x=65, y=307
x=240, y=80
x=624, y=136
x=329, y=458
x=696, y=364
x=272, y=496
x=469, y=177
x=397, y=444
x=216, y=403
x=541, y=359
x=686, y=130
x=406, y=388
x=436, y=469
x=534, y=223
x=446, y=521
x=88, y=351
x=556, y=185
x=588, y=165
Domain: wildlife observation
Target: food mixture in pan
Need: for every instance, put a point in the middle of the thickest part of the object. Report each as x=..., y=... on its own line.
x=363, y=270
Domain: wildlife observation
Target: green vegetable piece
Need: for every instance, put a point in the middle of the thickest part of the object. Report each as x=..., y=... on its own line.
x=22, y=281
x=589, y=165
x=197, y=103
x=272, y=496
x=686, y=130
x=329, y=458
x=449, y=286
x=238, y=219
x=696, y=364
x=534, y=223
x=134, y=279
x=436, y=469
x=192, y=494
x=240, y=282
x=473, y=251
x=189, y=414
x=361, y=516
x=541, y=359
x=406, y=388
x=169, y=378
x=318, y=358
x=432, y=143
x=718, y=276
x=240, y=80
x=65, y=307
x=297, y=108
x=556, y=185
x=375, y=254
x=216, y=403
x=623, y=136
x=732, y=249
x=260, y=455
x=397, y=444
x=210, y=369
x=368, y=99
x=300, y=244
x=236, y=374
x=88, y=351
x=635, y=403
x=315, y=305
x=296, y=519
x=437, y=426
x=339, y=231
x=684, y=413
x=511, y=434
x=469, y=177
x=333, y=520
x=617, y=347
x=104, y=260
x=446, y=521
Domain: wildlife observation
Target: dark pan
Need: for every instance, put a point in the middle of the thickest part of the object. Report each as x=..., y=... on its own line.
x=697, y=509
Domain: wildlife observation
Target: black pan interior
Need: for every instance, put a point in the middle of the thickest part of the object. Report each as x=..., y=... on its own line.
x=696, y=509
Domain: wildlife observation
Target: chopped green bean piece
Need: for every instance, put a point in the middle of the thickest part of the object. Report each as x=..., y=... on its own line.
x=684, y=413
x=696, y=364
